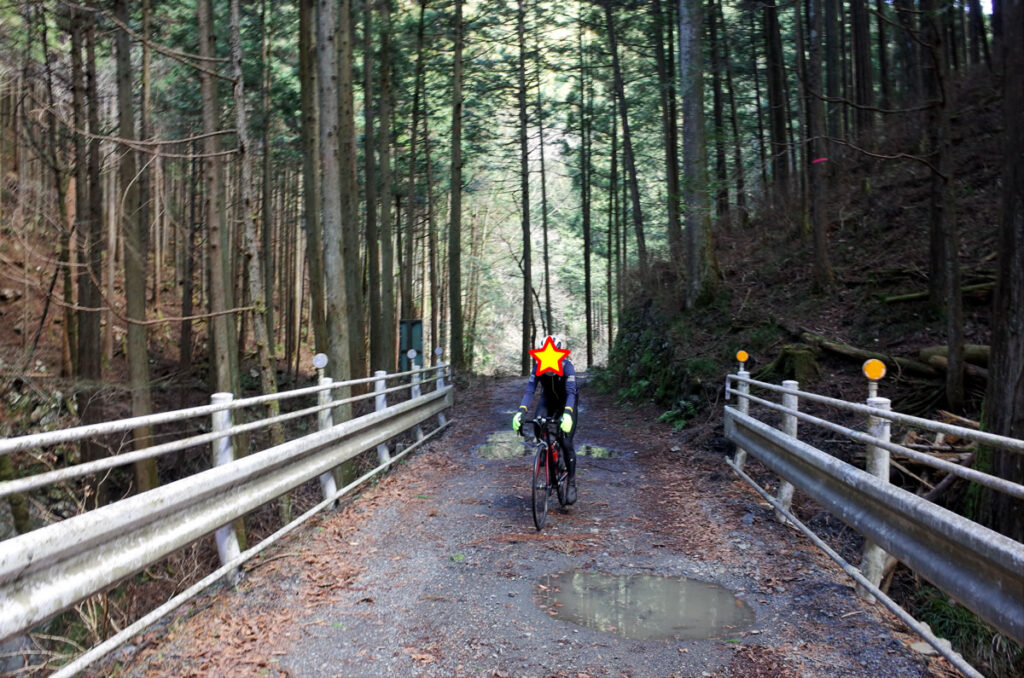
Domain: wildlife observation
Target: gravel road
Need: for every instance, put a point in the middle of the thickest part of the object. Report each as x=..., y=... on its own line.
x=438, y=571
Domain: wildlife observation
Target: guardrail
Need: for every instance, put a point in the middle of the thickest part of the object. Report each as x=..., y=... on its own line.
x=50, y=569
x=980, y=568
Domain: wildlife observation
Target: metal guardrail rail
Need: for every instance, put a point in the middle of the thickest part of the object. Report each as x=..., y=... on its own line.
x=980, y=568
x=48, y=570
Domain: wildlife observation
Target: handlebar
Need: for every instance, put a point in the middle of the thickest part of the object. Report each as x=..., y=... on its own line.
x=550, y=424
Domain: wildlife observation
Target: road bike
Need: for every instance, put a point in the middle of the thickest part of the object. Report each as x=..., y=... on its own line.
x=549, y=470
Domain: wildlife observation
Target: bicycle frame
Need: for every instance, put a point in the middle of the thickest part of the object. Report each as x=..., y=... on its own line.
x=549, y=465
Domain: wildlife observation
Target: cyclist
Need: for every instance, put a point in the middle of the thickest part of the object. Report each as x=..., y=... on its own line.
x=558, y=399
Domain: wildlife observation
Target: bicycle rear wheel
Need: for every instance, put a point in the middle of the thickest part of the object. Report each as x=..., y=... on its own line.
x=540, y=487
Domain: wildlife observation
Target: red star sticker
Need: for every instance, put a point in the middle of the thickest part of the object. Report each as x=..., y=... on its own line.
x=549, y=358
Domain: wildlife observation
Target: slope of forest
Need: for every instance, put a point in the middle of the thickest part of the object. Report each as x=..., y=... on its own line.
x=764, y=298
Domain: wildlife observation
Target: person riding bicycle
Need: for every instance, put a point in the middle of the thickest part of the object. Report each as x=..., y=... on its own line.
x=558, y=400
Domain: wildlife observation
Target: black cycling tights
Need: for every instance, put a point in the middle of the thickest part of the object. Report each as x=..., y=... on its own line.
x=568, y=444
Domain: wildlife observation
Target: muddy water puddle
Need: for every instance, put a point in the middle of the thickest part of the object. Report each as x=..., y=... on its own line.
x=509, y=445
x=643, y=607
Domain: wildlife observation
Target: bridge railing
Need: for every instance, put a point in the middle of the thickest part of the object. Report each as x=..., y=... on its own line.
x=48, y=570
x=980, y=568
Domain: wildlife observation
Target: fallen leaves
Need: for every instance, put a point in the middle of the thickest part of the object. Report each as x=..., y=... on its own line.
x=420, y=656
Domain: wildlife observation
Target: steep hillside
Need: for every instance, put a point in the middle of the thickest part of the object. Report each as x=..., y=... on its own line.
x=763, y=298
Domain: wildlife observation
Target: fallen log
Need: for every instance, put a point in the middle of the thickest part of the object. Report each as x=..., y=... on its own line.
x=951, y=418
x=915, y=296
x=941, y=362
x=977, y=354
x=855, y=353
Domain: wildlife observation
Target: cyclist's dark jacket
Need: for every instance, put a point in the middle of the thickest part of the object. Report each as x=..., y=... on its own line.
x=558, y=392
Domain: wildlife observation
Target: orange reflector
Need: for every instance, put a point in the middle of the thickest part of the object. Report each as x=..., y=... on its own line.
x=874, y=369
x=742, y=356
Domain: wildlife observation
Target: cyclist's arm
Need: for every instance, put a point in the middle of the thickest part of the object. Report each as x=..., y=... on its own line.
x=531, y=388
x=570, y=386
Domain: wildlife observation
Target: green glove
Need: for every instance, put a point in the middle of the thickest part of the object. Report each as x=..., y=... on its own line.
x=517, y=420
x=567, y=422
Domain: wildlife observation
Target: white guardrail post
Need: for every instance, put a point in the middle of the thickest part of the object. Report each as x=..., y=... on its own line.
x=742, y=403
x=872, y=563
x=380, y=402
x=789, y=427
x=324, y=420
x=414, y=390
x=227, y=540
x=441, y=419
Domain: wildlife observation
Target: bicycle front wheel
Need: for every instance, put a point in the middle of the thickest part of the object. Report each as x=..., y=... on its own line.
x=540, y=487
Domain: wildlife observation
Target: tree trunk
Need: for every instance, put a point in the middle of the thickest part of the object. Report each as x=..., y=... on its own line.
x=613, y=229
x=388, y=349
x=1004, y=401
x=266, y=212
x=776, y=103
x=862, y=80
x=695, y=198
x=188, y=261
x=222, y=324
x=409, y=310
x=586, y=121
x=378, y=359
x=755, y=69
x=146, y=173
x=548, y=321
x=801, y=161
x=817, y=176
x=629, y=160
x=458, y=359
x=833, y=78
x=883, y=54
x=944, y=268
x=347, y=140
x=311, y=171
x=267, y=368
x=979, y=39
x=666, y=91
x=339, y=356
x=431, y=263
x=90, y=240
x=134, y=225
x=717, y=107
x=524, y=188
x=908, y=51
x=737, y=140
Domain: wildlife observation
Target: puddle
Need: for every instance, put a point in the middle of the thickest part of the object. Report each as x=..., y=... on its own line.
x=509, y=445
x=597, y=452
x=643, y=607
x=503, y=445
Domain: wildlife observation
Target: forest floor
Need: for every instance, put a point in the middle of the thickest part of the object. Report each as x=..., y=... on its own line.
x=438, y=571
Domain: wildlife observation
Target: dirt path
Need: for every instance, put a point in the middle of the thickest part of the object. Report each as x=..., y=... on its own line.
x=438, y=571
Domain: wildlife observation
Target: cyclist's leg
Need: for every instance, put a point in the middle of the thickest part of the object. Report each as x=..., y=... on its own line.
x=569, y=449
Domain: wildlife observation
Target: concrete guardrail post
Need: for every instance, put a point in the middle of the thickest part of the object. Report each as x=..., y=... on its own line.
x=743, y=405
x=789, y=427
x=872, y=564
x=441, y=419
x=324, y=420
x=415, y=392
x=380, y=402
x=226, y=538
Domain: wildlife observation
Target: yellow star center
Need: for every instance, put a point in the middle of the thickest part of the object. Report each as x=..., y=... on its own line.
x=549, y=358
